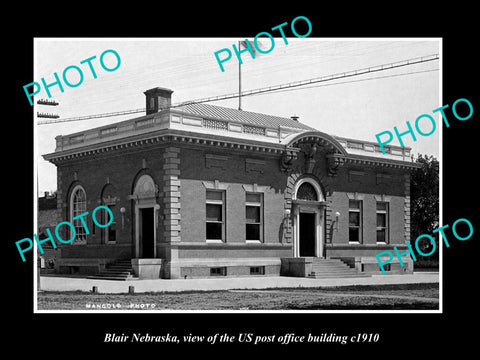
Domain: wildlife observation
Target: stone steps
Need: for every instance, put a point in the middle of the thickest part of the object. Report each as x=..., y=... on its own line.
x=119, y=270
x=333, y=268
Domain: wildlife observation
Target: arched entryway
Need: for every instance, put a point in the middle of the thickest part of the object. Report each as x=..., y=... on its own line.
x=308, y=205
x=145, y=208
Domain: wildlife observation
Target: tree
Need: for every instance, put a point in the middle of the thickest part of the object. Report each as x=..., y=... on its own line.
x=424, y=201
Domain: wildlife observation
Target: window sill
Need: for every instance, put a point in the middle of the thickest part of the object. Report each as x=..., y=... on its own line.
x=253, y=242
x=214, y=241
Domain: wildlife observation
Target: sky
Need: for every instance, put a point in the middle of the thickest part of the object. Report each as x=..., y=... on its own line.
x=355, y=107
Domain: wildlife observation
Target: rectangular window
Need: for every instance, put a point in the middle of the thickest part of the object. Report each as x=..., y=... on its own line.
x=382, y=222
x=257, y=270
x=215, y=214
x=254, y=217
x=355, y=221
x=218, y=271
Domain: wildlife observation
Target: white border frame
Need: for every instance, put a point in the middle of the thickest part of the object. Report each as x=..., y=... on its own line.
x=35, y=185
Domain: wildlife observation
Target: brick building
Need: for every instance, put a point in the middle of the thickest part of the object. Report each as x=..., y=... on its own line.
x=203, y=190
x=48, y=217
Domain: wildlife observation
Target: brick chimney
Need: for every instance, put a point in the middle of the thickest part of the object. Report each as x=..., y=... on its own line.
x=157, y=99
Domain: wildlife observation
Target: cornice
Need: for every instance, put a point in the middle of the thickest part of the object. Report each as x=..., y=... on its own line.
x=340, y=159
x=164, y=138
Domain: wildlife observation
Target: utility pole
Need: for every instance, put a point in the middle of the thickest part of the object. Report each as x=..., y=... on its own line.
x=48, y=103
x=253, y=52
x=239, y=83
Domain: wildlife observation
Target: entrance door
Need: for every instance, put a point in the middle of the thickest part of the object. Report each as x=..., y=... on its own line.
x=307, y=234
x=147, y=232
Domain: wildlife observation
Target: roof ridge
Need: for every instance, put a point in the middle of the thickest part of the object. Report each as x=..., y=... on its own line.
x=243, y=116
x=243, y=111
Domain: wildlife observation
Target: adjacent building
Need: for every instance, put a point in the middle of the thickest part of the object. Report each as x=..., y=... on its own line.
x=48, y=216
x=202, y=190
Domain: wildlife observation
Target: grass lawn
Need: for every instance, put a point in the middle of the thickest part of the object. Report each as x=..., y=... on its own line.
x=369, y=297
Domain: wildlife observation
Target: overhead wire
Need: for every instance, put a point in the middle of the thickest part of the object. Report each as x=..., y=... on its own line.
x=354, y=81
x=172, y=70
x=358, y=72
x=203, y=63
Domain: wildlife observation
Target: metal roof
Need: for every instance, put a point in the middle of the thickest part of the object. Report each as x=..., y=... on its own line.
x=241, y=116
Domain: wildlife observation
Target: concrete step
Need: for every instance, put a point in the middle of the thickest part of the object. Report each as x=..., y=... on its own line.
x=119, y=267
x=333, y=268
x=328, y=261
x=115, y=272
x=336, y=266
x=118, y=270
x=120, y=264
x=333, y=271
x=337, y=276
x=112, y=276
x=339, y=266
x=105, y=277
x=322, y=266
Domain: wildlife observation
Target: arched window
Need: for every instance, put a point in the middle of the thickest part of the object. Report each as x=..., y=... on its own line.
x=307, y=191
x=78, y=206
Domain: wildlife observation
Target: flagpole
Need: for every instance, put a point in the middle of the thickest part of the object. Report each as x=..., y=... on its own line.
x=239, y=83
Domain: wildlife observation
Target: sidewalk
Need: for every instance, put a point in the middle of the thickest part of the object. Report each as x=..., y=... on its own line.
x=51, y=283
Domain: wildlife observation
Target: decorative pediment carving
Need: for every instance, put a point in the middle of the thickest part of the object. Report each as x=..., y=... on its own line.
x=334, y=162
x=110, y=200
x=309, y=150
x=145, y=187
x=286, y=162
